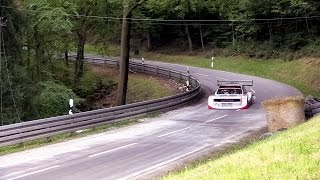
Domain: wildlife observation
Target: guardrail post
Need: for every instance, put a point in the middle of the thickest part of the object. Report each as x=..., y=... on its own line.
x=180, y=77
x=117, y=64
x=169, y=73
x=156, y=70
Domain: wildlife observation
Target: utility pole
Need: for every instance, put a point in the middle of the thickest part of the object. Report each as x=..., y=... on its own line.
x=3, y=23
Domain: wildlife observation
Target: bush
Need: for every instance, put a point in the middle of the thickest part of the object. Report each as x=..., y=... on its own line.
x=54, y=99
x=92, y=83
x=312, y=49
x=252, y=49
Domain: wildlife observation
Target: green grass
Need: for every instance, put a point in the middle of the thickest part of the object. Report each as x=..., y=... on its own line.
x=293, y=154
x=302, y=74
x=102, y=50
x=142, y=89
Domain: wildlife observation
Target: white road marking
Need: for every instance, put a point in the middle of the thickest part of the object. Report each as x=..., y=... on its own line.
x=252, y=90
x=216, y=118
x=35, y=172
x=12, y=174
x=134, y=175
x=111, y=150
x=223, y=78
x=174, y=132
x=238, y=110
x=191, y=127
x=201, y=74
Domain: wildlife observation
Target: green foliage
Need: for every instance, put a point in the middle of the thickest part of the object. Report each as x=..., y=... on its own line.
x=152, y=89
x=54, y=99
x=302, y=74
x=92, y=83
x=312, y=49
x=252, y=49
x=53, y=27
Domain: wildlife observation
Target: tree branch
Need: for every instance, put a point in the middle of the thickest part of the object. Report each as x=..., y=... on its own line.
x=135, y=6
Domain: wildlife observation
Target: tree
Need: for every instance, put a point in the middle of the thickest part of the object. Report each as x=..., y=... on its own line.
x=128, y=7
x=185, y=10
x=47, y=20
x=13, y=82
x=84, y=24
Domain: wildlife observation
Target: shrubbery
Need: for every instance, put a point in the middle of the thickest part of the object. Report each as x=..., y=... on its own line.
x=54, y=99
x=272, y=50
x=92, y=83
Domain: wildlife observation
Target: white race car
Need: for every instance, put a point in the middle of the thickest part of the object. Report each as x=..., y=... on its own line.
x=231, y=95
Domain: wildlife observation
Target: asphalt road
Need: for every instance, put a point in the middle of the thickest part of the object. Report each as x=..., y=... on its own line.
x=152, y=146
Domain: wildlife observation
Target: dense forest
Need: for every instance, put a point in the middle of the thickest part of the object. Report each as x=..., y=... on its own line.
x=36, y=82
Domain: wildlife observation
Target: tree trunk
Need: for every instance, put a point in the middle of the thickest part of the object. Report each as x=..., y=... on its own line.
x=66, y=57
x=124, y=62
x=80, y=56
x=189, y=38
x=39, y=55
x=233, y=37
x=201, y=38
x=270, y=32
x=149, y=39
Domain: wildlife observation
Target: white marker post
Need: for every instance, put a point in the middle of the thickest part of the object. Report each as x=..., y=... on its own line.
x=142, y=64
x=187, y=83
x=212, y=62
x=71, y=106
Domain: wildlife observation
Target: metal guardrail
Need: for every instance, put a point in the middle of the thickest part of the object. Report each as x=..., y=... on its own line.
x=312, y=106
x=43, y=128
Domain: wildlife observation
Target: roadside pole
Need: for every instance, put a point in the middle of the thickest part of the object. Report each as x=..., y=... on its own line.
x=71, y=106
x=212, y=61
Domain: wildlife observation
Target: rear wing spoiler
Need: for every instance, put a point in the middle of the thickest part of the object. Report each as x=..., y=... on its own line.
x=243, y=83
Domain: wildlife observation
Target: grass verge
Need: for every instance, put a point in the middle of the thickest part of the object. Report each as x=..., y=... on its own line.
x=293, y=154
x=302, y=74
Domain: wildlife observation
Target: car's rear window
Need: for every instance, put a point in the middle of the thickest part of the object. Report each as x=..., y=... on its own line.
x=229, y=90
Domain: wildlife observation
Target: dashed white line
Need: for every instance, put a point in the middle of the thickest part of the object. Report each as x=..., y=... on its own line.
x=174, y=132
x=238, y=110
x=35, y=172
x=150, y=169
x=201, y=74
x=12, y=174
x=252, y=90
x=216, y=118
x=111, y=150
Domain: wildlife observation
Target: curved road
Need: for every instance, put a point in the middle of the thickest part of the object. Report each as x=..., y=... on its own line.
x=153, y=146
